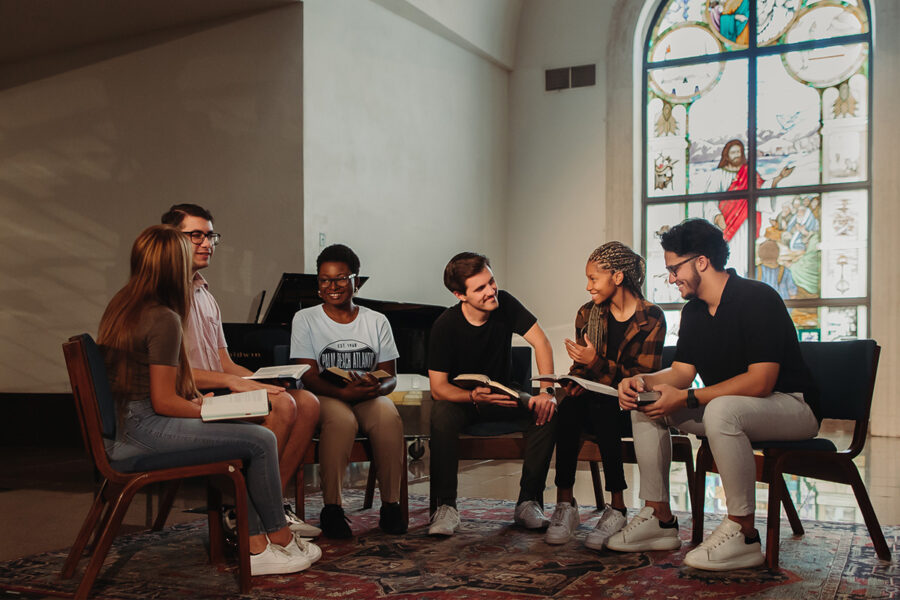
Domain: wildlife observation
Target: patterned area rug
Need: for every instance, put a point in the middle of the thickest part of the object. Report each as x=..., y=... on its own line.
x=488, y=558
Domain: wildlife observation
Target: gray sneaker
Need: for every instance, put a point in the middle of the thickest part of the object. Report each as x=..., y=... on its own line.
x=610, y=521
x=445, y=521
x=530, y=515
x=563, y=523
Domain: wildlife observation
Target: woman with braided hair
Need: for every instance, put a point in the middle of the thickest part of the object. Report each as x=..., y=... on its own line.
x=617, y=334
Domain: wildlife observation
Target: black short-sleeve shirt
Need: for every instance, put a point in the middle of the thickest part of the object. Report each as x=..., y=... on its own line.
x=456, y=346
x=751, y=325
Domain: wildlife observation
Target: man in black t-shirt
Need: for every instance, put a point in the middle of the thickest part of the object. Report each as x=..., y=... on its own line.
x=738, y=336
x=475, y=336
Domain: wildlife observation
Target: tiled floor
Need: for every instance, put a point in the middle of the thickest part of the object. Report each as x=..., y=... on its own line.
x=45, y=492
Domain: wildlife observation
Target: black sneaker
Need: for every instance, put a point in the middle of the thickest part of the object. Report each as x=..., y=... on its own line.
x=391, y=520
x=334, y=522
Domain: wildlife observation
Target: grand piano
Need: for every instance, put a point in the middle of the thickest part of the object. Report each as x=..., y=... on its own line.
x=267, y=342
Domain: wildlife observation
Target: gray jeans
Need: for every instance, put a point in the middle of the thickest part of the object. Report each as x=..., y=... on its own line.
x=730, y=423
x=144, y=432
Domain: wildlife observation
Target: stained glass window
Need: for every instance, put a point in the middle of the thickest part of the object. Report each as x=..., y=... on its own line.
x=779, y=89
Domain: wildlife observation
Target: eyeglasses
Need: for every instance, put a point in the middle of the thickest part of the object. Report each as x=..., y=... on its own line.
x=198, y=236
x=673, y=269
x=326, y=282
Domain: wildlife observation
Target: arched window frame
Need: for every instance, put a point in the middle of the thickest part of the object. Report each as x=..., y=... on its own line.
x=752, y=54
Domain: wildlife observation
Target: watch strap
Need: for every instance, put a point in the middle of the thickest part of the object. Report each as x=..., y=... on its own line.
x=692, y=399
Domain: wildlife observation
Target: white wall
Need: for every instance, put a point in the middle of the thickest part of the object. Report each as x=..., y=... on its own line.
x=885, y=320
x=108, y=137
x=405, y=148
x=486, y=28
x=558, y=153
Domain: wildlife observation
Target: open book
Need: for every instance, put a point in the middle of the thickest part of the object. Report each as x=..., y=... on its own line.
x=470, y=381
x=591, y=386
x=339, y=376
x=280, y=372
x=241, y=405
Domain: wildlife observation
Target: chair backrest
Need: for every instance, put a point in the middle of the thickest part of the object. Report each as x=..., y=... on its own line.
x=844, y=373
x=93, y=396
x=520, y=367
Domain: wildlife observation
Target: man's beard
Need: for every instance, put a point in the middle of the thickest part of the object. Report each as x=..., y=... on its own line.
x=694, y=281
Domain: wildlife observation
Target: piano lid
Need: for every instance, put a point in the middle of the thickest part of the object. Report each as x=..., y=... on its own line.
x=294, y=291
x=410, y=324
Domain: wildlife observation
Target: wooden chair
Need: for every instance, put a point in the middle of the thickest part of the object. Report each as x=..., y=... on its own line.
x=123, y=479
x=361, y=452
x=504, y=441
x=845, y=375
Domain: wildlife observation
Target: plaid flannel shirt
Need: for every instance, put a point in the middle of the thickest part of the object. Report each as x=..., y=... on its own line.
x=640, y=352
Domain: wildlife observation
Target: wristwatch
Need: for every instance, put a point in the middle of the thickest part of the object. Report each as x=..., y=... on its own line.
x=549, y=390
x=692, y=399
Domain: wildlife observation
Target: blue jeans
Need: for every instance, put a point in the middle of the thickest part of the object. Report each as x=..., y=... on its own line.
x=144, y=432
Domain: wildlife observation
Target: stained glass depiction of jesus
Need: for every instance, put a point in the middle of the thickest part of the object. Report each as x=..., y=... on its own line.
x=732, y=174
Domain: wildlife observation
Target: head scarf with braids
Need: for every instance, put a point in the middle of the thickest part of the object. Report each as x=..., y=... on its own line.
x=618, y=258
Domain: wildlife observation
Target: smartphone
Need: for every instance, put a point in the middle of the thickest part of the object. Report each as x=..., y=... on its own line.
x=645, y=398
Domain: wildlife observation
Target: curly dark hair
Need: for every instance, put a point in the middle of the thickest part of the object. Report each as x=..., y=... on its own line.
x=338, y=253
x=697, y=237
x=178, y=212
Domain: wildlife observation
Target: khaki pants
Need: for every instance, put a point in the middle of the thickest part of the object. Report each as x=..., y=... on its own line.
x=340, y=423
x=730, y=423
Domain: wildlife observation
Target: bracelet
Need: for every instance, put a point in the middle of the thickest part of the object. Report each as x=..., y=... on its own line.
x=472, y=396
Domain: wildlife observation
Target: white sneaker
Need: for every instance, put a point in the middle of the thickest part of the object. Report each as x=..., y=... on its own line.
x=277, y=560
x=645, y=532
x=299, y=526
x=311, y=551
x=611, y=521
x=563, y=523
x=445, y=520
x=530, y=515
x=726, y=549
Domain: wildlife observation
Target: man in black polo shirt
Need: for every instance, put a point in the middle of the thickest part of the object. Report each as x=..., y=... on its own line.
x=738, y=336
x=475, y=336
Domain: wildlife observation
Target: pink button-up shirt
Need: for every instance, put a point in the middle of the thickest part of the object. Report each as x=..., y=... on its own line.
x=203, y=333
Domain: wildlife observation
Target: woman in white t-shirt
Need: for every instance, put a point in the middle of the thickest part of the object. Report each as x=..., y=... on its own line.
x=338, y=333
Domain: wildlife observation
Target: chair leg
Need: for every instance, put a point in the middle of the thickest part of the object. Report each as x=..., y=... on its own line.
x=688, y=459
x=299, y=493
x=868, y=512
x=370, y=486
x=404, y=490
x=88, y=528
x=598, y=485
x=704, y=461
x=165, y=503
x=773, y=518
x=789, y=508
x=216, y=536
x=119, y=508
x=241, y=507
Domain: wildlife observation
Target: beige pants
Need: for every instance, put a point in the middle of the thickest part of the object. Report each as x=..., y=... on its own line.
x=340, y=423
x=730, y=423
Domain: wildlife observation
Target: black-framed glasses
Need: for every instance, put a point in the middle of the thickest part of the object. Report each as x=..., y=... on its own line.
x=198, y=236
x=326, y=282
x=673, y=269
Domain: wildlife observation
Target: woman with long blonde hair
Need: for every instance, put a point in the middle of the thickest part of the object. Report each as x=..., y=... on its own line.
x=158, y=405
